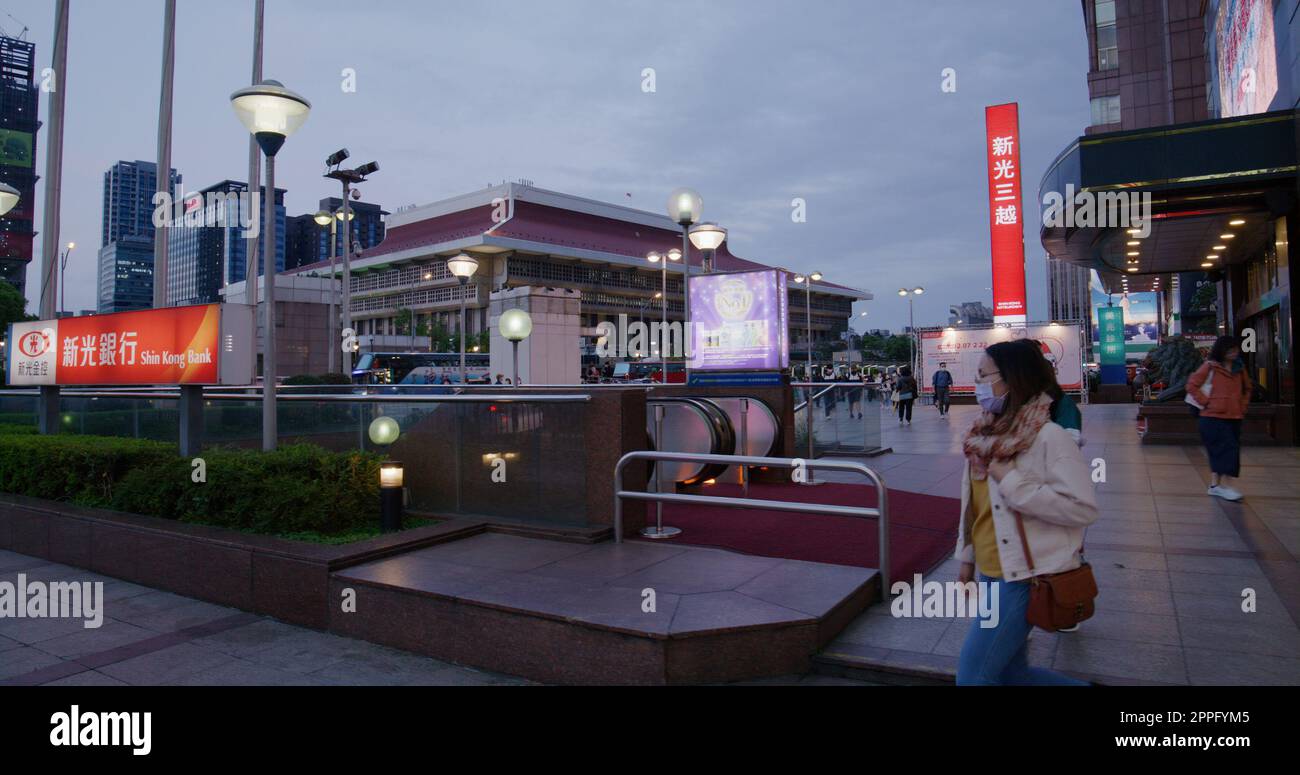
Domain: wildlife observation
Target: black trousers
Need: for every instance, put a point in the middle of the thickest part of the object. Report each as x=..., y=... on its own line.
x=905, y=409
x=941, y=399
x=1222, y=439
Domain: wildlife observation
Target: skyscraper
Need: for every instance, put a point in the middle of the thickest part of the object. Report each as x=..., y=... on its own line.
x=126, y=274
x=126, y=235
x=207, y=246
x=129, y=188
x=19, y=98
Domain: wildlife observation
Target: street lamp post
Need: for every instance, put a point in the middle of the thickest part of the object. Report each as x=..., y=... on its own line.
x=271, y=113
x=911, y=322
x=463, y=267
x=348, y=178
x=63, y=266
x=662, y=260
x=323, y=219
x=515, y=325
x=685, y=207
x=806, y=281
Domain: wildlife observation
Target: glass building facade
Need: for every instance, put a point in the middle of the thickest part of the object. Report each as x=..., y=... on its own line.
x=19, y=100
x=207, y=245
x=126, y=274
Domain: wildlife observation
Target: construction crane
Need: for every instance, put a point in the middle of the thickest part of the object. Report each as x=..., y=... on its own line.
x=20, y=36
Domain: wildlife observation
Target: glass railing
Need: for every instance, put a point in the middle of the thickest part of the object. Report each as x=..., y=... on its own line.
x=505, y=454
x=845, y=418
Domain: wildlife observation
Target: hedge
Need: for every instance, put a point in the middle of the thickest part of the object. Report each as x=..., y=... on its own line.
x=295, y=489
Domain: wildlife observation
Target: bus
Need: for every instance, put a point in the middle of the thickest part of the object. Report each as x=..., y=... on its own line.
x=419, y=368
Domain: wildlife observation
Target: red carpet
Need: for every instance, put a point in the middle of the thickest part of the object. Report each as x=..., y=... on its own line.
x=923, y=528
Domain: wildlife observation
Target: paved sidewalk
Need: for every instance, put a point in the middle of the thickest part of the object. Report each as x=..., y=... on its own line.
x=151, y=637
x=1171, y=562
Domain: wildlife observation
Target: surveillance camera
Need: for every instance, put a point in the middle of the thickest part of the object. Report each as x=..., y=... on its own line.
x=369, y=168
x=356, y=193
x=337, y=157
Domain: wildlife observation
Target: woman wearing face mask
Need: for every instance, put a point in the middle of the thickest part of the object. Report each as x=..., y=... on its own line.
x=1022, y=471
x=1225, y=402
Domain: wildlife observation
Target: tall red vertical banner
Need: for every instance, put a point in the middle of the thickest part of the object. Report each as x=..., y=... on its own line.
x=1006, y=212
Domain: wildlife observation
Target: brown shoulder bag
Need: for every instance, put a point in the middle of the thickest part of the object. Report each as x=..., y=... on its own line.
x=1058, y=600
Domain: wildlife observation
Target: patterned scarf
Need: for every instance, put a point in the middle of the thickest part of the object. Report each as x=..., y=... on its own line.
x=1003, y=436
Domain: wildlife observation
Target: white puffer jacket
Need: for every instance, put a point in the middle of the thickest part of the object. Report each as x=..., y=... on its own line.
x=1051, y=488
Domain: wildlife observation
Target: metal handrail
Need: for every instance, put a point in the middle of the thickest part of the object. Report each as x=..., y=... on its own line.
x=815, y=396
x=496, y=398
x=881, y=511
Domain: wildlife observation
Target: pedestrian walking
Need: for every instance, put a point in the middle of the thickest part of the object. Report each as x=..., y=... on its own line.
x=906, y=388
x=1219, y=392
x=1027, y=495
x=942, y=384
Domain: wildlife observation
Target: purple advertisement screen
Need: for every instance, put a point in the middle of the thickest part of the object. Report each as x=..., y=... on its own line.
x=739, y=321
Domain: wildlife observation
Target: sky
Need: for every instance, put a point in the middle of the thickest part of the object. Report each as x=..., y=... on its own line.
x=755, y=103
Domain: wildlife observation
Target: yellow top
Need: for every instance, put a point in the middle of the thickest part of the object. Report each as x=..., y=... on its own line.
x=984, y=538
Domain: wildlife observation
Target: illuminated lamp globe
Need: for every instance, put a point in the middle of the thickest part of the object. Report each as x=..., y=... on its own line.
x=322, y=218
x=685, y=205
x=270, y=112
x=384, y=431
x=515, y=325
x=708, y=236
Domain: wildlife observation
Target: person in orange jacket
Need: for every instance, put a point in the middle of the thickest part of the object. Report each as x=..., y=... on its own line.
x=1222, y=390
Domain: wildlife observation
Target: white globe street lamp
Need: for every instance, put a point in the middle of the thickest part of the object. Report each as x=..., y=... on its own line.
x=911, y=321
x=270, y=113
x=515, y=325
x=685, y=206
x=806, y=281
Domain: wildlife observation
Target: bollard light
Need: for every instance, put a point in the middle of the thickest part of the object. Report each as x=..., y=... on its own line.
x=391, y=483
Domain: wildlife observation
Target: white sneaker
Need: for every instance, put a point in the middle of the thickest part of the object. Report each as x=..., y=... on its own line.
x=1227, y=493
x=1071, y=628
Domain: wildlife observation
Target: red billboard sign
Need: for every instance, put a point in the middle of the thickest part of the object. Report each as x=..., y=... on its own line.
x=1006, y=212
x=201, y=345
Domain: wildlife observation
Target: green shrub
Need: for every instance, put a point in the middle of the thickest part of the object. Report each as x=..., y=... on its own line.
x=81, y=469
x=295, y=489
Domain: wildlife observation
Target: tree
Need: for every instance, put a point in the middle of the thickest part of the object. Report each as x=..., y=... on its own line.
x=13, y=307
x=12, y=310
x=898, y=348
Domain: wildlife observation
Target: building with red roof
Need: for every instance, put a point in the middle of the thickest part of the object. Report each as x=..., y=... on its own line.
x=527, y=236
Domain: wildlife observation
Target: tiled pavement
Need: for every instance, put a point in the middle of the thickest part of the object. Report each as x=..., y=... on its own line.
x=151, y=637
x=1171, y=562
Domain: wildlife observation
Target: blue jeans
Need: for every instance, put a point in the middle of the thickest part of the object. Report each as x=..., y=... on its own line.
x=999, y=655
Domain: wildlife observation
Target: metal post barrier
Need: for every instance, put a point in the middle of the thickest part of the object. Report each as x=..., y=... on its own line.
x=744, y=443
x=191, y=412
x=881, y=512
x=659, y=531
